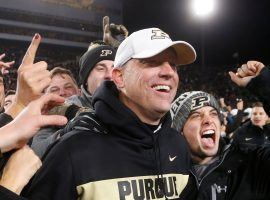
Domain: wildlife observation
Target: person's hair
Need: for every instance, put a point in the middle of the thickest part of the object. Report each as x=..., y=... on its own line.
x=60, y=70
x=96, y=43
x=99, y=42
x=10, y=92
x=257, y=104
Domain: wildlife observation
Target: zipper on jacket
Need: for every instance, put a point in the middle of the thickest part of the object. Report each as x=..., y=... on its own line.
x=199, y=180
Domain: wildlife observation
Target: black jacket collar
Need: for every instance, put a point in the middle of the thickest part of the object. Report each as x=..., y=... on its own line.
x=119, y=119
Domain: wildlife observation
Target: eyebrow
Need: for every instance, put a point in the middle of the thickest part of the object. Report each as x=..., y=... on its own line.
x=213, y=109
x=103, y=65
x=53, y=87
x=8, y=101
x=195, y=111
x=68, y=84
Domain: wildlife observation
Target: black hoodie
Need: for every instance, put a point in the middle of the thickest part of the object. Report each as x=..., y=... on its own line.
x=129, y=161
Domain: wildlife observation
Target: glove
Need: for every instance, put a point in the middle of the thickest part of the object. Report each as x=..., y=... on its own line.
x=113, y=34
x=67, y=110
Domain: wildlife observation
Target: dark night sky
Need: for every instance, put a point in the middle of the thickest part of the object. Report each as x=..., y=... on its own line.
x=236, y=26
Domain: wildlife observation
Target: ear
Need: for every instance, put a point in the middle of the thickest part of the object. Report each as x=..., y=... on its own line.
x=79, y=91
x=117, y=77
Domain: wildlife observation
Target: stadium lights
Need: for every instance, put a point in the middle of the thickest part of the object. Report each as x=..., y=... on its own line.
x=203, y=8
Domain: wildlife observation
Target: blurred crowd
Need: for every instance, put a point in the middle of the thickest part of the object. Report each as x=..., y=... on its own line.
x=216, y=81
x=45, y=87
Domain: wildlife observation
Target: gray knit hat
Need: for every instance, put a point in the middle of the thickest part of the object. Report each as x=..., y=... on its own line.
x=188, y=102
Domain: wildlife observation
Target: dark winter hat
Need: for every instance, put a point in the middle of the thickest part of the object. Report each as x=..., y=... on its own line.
x=188, y=102
x=91, y=57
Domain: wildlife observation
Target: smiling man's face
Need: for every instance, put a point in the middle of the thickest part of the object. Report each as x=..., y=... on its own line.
x=148, y=86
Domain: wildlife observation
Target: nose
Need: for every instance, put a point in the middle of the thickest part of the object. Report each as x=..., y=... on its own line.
x=167, y=70
x=62, y=93
x=207, y=119
x=108, y=74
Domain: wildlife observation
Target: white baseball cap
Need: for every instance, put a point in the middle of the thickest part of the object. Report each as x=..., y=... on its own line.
x=234, y=112
x=247, y=112
x=149, y=42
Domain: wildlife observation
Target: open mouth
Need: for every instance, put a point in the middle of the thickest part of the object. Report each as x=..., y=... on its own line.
x=162, y=88
x=208, y=138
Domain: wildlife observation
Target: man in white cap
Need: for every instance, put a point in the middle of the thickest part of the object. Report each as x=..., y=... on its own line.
x=137, y=155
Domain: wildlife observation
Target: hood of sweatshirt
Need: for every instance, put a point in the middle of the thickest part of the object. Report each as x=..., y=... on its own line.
x=122, y=121
x=83, y=100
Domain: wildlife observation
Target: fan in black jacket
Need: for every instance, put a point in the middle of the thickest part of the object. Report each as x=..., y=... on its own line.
x=255, y=132
x=137, y=155
x=221, y=170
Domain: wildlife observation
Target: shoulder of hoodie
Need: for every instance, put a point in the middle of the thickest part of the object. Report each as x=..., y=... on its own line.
x=170, y=134
x=73, y=142
x=259, y=156
x=174, y=137
x=76, y=134
x=241, y=130
x=173, y=134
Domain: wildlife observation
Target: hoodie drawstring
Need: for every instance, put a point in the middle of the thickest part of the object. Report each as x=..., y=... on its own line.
x=159, y=164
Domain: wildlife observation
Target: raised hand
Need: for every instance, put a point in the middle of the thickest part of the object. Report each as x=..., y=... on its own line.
x=246, y=72
x=113, y=34
x=32, y=79
x=17, y=133
x=4, y=66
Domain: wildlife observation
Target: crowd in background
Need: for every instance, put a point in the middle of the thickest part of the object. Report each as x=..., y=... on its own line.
x=216, y=81
x=237, y=112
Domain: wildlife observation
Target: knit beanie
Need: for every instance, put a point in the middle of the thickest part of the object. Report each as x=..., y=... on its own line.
x=91, y=57
x=190, y=101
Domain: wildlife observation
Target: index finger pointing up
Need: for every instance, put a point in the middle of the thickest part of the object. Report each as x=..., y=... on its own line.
x=2, y=56
x=30, y=54
x=106, y=22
